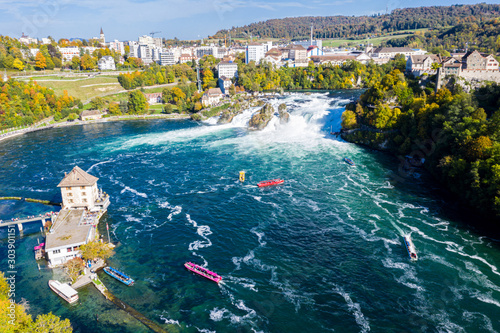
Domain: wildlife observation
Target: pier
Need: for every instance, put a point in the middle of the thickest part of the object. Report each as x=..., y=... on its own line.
x=19, y=222
x=90, y=276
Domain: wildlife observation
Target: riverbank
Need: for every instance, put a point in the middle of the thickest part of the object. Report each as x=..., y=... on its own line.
x=12, y=134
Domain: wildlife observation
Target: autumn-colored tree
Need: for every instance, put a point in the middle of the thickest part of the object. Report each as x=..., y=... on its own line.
x=74, y=268
x=87, y=62
x=96, y=249
x=18, y=64
x=40, y=61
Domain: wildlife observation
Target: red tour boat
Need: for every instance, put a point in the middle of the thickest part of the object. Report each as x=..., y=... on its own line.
x=270, y=182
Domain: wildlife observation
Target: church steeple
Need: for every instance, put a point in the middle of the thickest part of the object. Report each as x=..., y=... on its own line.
x=102, y=38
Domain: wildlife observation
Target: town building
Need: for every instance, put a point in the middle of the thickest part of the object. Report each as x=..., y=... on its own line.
x=90, y=115
x=335, y=60
x=75, y=225
x=473, y=60
x=419, y=64
x=211, y=97
x=145, y=54
x=106, y=63
x=224, y=84
x=254, y=52
x=298, y=53
x=306, y=43
x=390, y=52
x=314, y=51
x=117, y=46
x=185, y=57
x=151, y=41
x=79, y=189
x=28, y=40
x=46, y=41
x=69, y=52
x=167, y=58
x=154, y=98
x=227, y=69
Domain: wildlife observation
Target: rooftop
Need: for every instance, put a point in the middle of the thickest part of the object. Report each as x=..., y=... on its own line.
x=67, y=229
x=77, y=177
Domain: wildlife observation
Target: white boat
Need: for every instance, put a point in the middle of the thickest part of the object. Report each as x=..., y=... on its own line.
x=67, y=293
x=410, y=248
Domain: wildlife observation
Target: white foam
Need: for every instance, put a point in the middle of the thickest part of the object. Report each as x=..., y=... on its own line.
x=144, y=195
x=94, y=165
x=355, y=309
x=203, y=231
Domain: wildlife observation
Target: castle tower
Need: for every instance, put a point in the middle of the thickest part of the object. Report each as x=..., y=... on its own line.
x=102, y=38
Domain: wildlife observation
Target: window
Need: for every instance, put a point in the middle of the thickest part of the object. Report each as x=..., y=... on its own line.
x=56, y=251
x=70, y=200
x=68, y=188
x=84, y=200
x=82, y=187
x=84, y=193
x=69, y=249
x=70, y=194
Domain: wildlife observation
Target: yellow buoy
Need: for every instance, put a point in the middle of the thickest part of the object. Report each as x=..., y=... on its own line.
x=242, y=176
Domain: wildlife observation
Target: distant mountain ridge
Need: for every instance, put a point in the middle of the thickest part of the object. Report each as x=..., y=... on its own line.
x=361, y=26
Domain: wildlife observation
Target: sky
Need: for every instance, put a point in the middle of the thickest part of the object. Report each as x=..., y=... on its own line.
x=184, y=19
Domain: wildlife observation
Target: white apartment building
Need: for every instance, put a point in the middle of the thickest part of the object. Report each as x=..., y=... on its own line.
x=150, y=41
x=228, y=69
x=167, y=58
x=69, y=52
x=255, y=52
x=46, y=41
x=106, y=63
x=145, y=54
x=117, y=46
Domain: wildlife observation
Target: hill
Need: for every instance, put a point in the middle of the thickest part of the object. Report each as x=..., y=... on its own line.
x=363, y=26
x=484, y=36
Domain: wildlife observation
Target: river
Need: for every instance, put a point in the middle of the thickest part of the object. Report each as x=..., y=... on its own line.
x=321, y=253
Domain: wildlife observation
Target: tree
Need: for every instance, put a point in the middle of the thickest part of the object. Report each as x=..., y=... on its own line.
x=18, y=64
x=74, y=268
x=97, y=103
x=45, y=323
x=72, y=117
x=75, y=63
x=96, y=249
x=232, y=90
x=114, y=109
x=349, y=120
x=87, y=62
x=40, y=61
x=137, y=103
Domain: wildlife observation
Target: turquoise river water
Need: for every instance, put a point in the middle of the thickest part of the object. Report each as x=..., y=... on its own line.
x=321, y=253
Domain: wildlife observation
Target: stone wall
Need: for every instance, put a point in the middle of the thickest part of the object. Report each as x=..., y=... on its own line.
x=481, y=75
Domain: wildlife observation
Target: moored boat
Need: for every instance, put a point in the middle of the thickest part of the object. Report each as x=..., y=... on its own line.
x=348, y=161
x=64, y=291
x=119, y=276
x=270, y=182
x=203, y=272
x=410, y=247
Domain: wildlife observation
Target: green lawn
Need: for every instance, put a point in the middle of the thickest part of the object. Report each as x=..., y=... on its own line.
x=376, y=41
x=84, y=89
